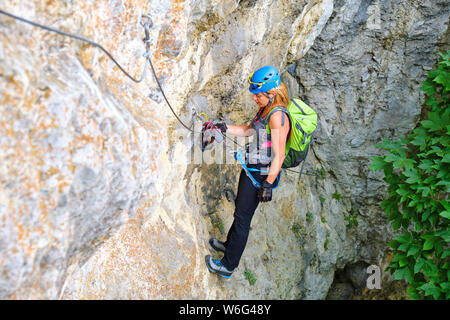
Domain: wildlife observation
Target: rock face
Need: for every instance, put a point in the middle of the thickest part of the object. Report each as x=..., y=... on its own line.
x=105, y=195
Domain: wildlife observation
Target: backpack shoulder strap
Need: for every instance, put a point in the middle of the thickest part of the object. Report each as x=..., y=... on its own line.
x=298, y=106
x=278, y=108
x=284, y=110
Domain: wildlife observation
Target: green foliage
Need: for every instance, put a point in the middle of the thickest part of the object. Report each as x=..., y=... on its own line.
x=218, y=223
x=297, y=229
x=309, y=216
x=327, y=240
x=417, y=170
x=322, y=199
x=320, y=173
x=352, y=219
x=250, y=277
x=336, y=195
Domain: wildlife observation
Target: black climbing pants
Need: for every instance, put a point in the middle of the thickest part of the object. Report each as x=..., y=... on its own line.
x=246, y=204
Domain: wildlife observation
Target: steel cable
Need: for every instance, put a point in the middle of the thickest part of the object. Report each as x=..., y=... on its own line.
x=78, y=38
x=146, y=55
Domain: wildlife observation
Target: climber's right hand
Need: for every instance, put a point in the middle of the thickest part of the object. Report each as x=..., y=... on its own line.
x=207, y=125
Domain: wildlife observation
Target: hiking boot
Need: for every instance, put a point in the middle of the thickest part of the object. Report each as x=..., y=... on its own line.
x=217, y=245
x=216, y=266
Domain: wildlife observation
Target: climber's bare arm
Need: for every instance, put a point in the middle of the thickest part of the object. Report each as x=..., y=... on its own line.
x=240, y=131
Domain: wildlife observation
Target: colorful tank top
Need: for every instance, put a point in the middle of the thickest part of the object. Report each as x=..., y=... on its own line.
x=260, y=149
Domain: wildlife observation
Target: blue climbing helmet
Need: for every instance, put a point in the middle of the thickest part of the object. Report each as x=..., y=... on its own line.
x=264, y=79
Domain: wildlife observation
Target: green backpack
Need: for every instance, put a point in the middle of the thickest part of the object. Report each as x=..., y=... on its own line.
x=303, y=123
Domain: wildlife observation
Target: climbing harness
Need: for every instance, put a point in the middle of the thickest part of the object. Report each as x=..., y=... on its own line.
x=239, y=157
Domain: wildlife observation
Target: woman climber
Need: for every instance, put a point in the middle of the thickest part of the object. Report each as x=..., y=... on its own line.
x=272, y=130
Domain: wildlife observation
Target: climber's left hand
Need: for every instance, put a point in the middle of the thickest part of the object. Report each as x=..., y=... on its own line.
x=265, y=192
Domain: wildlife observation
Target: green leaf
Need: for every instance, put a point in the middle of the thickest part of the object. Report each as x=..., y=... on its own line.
x=389, y=145
x=444, y=79
x=445, y=214
x=430, y=180
x=418, y=266
x=427, y=236
x=428, y=244
x=377, y=164
x=413, y=176
x=445, y=286
x=425, y=215
x=445, y=254
x=445, y=204
x=434, y=122
x=418, y=226
x=403, y=247
x=413, y=294
x=426, y=165
x=446, y=158
x=432, y=102
x=392, y=158
x=446, y=58
x=412, y=251
x=444, y=234
x=444, y=183
x=409, y=276
x=396, y=224
x=419, y=141
x=400, y=162
x=336, y=195
x=402, y=192
x=406, y=237
x=403, y=262
x=432, y=74
x=404, y=273
x=441, y=174
x=433, y=150
x=439, y=248
x=445, y=63
x=425, y=191
x=430, y=268
x=428, y=87
x=400, y=274
x=431, y=290
x=445, y=141
x=433, y=220
x=409, y=164
x=393, y=244
x=397, y=258
x=430, y=125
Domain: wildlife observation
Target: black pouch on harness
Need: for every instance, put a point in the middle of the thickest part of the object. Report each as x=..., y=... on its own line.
x=294, y=158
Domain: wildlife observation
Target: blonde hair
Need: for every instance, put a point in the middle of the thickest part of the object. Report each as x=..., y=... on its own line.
x=281, y=95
